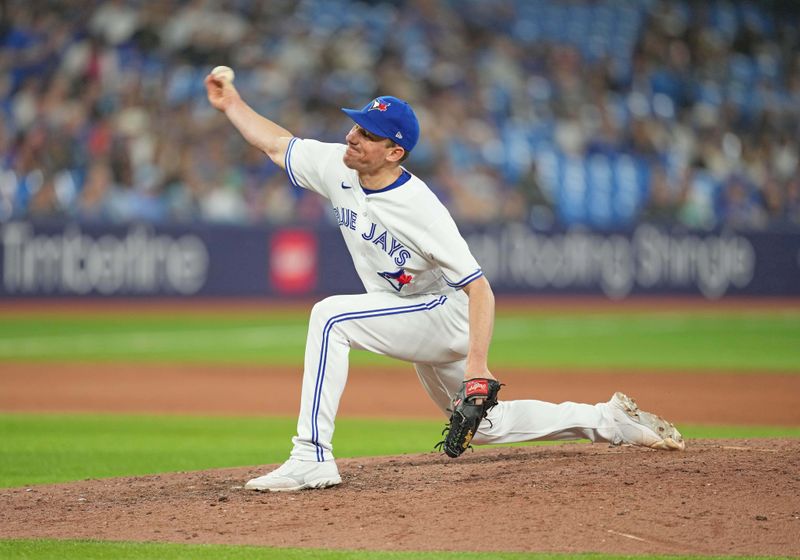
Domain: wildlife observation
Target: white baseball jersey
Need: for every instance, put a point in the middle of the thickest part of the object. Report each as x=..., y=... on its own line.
x=412, y=261
x=401, y=238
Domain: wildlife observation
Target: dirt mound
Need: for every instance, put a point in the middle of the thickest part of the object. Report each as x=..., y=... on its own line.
x=718, y=497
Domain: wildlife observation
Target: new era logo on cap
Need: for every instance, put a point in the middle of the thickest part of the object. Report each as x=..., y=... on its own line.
x=389, y=117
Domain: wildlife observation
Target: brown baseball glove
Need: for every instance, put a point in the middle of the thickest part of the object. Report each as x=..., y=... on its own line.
x=470, y=405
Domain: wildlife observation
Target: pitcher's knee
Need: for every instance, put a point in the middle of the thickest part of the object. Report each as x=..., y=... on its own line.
x=327, y=315
x=326, y=309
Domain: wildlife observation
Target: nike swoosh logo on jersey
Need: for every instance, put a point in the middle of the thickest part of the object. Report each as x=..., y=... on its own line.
x=346, y=186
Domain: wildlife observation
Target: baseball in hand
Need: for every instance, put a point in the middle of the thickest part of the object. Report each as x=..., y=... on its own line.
x=224, y=73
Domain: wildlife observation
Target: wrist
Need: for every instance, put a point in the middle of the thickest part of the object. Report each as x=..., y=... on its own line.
x=471, y=372
x=231, y=104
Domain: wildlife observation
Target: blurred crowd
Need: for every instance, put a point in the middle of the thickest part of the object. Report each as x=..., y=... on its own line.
x=676, y=112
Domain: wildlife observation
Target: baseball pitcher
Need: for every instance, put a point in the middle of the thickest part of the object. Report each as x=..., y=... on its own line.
x=427, y=301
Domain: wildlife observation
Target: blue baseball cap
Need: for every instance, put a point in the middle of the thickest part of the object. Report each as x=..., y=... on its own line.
x=390, y=118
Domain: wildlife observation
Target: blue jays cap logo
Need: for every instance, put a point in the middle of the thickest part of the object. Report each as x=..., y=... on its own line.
x=378, y=105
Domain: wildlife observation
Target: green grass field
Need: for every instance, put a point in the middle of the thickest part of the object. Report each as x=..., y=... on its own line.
x=80, y=550
x=749, y=340
x=37, y=449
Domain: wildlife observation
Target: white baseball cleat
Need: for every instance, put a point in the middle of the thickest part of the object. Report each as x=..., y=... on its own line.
x=297, y=475
x=638, y=427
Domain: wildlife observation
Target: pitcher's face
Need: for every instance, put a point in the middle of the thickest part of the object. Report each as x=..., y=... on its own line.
x=367, y=152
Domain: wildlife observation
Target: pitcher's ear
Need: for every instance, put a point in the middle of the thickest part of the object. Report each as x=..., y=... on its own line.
x=396, y=155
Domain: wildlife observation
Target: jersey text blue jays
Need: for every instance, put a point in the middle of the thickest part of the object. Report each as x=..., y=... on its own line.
x=348, y=218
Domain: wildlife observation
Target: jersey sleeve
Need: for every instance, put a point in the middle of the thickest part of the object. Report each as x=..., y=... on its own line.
x=446, y=247
x=307, y=161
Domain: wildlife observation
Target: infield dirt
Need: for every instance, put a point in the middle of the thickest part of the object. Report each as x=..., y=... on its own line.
x=718, y=497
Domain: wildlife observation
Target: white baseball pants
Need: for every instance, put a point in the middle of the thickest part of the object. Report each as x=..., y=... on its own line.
x=431, y=331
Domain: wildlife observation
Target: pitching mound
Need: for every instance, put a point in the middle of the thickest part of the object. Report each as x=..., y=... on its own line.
x=718, y=497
